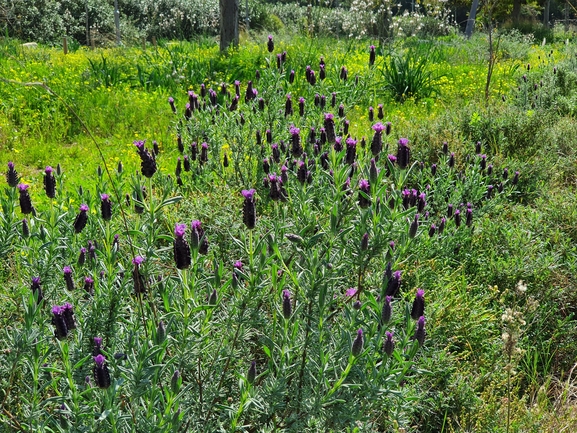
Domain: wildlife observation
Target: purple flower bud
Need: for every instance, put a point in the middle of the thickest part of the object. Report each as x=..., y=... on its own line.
x=380, y=114
x=372, y=55
x=270, y=44
x=393, y=284
x=451, y=162
x=81, y=219
x=301, y=106
x=203, y=153
x=68, y=314
x=344, y=74
x=97, y=349
x=181, y=248
x=389, y=345
x=286, y=304
x=105, y=207
x=322, y=72
x=67, y=271
x=25, y=228
x=421, y=202
x=414, y=227
x=89, y=285
x=358, y=344
x=288, y=108
x=292, y=76
x=147, y=161
x=11, y=175
x=100, y=372
x=387, y=310
x=420, y=331
x=329, y=125
x=469, y=216
x=296, y=148
x=313, y=78
x=457, y=218
x=82, y=256
x=403, y=153
x=198, y=238
x=351, y=151
x=445, y=148
x=249, y=208
x=442, y=225
x=25, y=201
x=364, y=193
x=49, y=182
x=418, y=308
x=37, y=290
x=515, y=178
x=60, y=328
x=251, y=374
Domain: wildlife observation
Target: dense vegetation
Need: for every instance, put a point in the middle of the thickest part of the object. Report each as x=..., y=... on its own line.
x=369, y=244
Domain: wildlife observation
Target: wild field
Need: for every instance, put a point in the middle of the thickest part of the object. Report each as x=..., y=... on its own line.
x=300, y=235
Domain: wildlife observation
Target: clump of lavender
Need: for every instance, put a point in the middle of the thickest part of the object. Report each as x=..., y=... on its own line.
x=364, y=193
x=49, y=182
x=137, y=278
x=105, y=207
x=286, y=304
x=358, y=343
x=198, y=238
x=100, y=372
x=12, y=175
x=81, y=219
x=249, y=208
x=147, y=161
x=24, y=199
x=418, y=308
x=403, y=153
x=181, y=248
x=67, y=271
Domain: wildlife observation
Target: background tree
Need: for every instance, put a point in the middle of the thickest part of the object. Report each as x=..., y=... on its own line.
x=228, y=23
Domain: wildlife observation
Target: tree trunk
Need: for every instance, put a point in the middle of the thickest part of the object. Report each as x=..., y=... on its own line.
x=516, y=14
x=471, y=20
x=546, y=13
x=228, y=23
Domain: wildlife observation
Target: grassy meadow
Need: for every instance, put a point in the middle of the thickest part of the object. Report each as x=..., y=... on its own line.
x=306, y=235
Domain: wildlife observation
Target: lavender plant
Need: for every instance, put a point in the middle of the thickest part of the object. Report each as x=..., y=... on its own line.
x=294, y=312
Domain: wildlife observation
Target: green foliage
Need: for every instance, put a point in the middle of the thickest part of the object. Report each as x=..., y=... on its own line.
x=407, y=75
